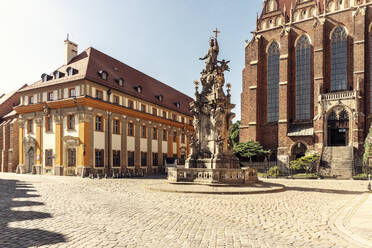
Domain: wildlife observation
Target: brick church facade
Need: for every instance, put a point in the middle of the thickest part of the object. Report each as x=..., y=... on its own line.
x=307, y=81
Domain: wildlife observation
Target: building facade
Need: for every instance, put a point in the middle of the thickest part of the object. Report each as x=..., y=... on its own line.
x=307, y=81
x=9, y=131
x=96, y=115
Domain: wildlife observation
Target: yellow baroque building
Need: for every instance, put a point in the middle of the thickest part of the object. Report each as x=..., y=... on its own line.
x=97, y=115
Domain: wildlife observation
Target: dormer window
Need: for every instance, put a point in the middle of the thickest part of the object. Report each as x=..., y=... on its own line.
x=160, y=97
x=58, y=74
x=120, y=81
x=138, y=89
x=71, y=71
x=45, y=77
x=103, y=74
x=178, y=105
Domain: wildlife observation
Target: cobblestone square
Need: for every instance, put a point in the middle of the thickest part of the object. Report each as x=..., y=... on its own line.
x=51, y=211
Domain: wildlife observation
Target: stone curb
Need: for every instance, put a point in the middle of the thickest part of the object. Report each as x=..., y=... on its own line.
x=340, y=219
x=280, y=188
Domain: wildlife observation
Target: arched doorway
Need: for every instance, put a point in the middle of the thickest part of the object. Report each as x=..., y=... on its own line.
x=298, y=150
x=31, y=159
x=338, y=128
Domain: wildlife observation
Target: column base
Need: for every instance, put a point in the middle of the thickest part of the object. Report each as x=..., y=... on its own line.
x=83, y=171
x=58, y=170
x=37, y=169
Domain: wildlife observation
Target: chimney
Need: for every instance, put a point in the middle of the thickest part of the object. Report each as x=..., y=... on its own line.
x=71, y=50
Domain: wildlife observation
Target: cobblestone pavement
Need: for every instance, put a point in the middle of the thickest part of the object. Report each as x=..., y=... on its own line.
x=74, y=212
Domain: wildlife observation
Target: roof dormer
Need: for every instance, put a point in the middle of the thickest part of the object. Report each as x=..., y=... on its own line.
x=177, y=104
x=103, y=74
x=120, y=81
x=45, y=77
x=138, y=88
x=71, y=71
x=159, y=97
x=58, y=74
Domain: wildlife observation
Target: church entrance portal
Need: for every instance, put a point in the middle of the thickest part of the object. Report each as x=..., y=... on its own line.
x=31, y=159
x=338, y=129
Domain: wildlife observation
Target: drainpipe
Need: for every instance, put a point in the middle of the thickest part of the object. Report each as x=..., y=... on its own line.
x=109, y=133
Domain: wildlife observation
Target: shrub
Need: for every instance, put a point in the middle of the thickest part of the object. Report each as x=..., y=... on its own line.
x=306, y=163
x=250, y=149
x=273, y=171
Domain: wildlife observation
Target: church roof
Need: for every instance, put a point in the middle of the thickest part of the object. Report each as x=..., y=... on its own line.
x=91, y=61
x=286, y=5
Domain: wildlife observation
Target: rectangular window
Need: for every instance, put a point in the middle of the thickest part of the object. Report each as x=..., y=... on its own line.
x=30, y=125
x=190, y=122
x=143, y=158
x=71, y=92
x=143, y=131
x=143, y=108
x=31, y=100
x=130, y=104
x=70, y=122
x=116, y=158
x=130, y=158
x=155, y=161
x=164, y=135
x=164, y=114
x=183, y=138
x=174, y=117
x=50, y=96
x=99, y=123
x=48, y=124
x=183, y=119
x=99, y=157
x=99, y=94
x=71, y=154
x=130, y=129
x=49, y=157
x=116, y=126
x=115, y=100
x=154, y=111
x=155, y=133
x=175, y=137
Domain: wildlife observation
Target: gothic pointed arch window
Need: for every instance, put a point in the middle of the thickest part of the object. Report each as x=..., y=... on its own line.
x=339, y=59
x=273, y=55
x=303, y=78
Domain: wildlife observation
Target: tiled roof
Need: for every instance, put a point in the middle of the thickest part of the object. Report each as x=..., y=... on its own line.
x=91, y=61
x=306, y=129
x=289, y=3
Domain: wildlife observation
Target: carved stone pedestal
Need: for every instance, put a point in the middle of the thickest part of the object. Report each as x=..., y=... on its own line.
x=211, y=159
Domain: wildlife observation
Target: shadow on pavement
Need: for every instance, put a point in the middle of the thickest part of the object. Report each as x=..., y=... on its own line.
x=21, y=237
x=328, y=191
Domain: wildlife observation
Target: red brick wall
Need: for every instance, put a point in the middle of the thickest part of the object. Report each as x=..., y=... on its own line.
x=253, y=101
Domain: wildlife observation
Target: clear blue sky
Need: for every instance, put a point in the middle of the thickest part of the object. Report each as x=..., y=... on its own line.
x=162, y=38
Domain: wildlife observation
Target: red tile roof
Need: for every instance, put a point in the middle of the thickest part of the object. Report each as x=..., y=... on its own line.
x=91, y=61
x=287, y=4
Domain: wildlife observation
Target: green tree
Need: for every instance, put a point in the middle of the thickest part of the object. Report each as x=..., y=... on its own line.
x=306, y=163
x=367, y=151
x=234, y=133
x=250, y=149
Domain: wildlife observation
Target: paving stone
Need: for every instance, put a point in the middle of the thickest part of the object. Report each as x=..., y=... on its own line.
x=75, y=212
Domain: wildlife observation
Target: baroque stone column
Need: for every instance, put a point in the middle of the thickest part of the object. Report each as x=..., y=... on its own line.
x=170, y=143
x=84, y=165
x=21, y=130
x=58, y=166
x=39, y=145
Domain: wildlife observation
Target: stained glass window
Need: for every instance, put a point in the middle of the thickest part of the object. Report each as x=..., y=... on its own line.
x=303, y=78
x=339, y=59
x=273, y=82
